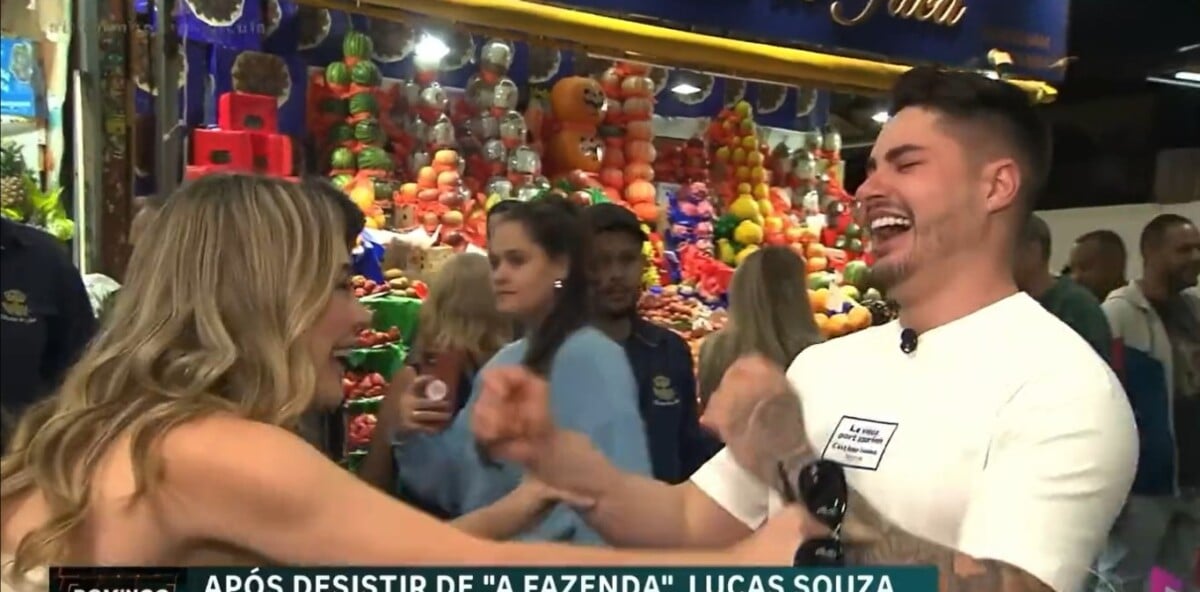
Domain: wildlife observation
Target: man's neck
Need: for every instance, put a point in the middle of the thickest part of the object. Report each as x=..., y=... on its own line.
x=946, y=297
x=617, y=328
x=1039, y=285
x=1155, y=288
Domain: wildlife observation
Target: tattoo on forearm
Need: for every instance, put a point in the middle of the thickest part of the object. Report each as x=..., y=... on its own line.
x=870, y=539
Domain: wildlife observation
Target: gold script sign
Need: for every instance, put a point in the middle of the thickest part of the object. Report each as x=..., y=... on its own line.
x=946, y=13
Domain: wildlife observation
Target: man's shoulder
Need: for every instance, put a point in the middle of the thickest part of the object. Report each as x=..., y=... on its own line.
x=36, y=240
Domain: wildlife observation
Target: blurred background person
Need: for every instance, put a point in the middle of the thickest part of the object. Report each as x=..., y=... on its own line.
x=661, y=360
x=769, y=314
x=1071, y=303
x=458, y=321
x=46, y=317
x=539, y=277
x=1097, y=262
x=1156, y=321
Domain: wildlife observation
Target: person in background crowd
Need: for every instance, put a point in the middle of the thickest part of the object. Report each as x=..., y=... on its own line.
x=539, y=277
x=193, y=402
x=1071, y=303
x=769, y=314
x=458, y=318
x=46, y=318
x=1097, y=262
x=661, y=360
x=1156, y=322
x=979, y=435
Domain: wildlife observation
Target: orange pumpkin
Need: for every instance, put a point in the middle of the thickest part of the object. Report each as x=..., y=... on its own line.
x=637, y=86
x=639, y=171
x=640, y=192
x=612, y=177
x=565, y=152
x=637, y=108
x=647, y=212
x=578, y=99
x=639, y=130
x=640, y=151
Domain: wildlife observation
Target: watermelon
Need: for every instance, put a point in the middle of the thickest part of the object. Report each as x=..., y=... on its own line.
x=356, y=45
x=363, y=102
x=333, y=106
x=342, y=158
x=337, y=74
x=341, y=133
x=365, y=73
x=857, y=274
x=383, y=189
x=368, y=131
x=373, y=157
x=341, y=181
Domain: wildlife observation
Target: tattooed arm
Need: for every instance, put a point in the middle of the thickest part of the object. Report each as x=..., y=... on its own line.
x=870, y=539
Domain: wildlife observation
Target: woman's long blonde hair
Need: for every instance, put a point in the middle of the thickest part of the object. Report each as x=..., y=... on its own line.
x=220, y=293
x=769, y=314
x=460, y=313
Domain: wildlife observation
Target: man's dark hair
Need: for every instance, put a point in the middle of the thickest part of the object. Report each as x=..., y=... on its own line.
x=1108, y=241
x=997, y=108
x=610, y=217
x=1154, y=232
x=352, y=216
x=1036, y=231
x=500, y=207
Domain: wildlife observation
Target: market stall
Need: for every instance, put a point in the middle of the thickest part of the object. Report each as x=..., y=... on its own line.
x=427, y=124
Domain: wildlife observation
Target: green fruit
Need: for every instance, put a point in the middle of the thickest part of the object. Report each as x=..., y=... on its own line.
x=337, y=74
x=368, y=131
x=356, y=45
x=855, y=245
x=853, y=230
x=341, y=133
x=332, y=106
x=365, y=73
x=342, y=158
x=820, y=279
x=373, y=157
x=383, y=190
x=857, y=274
x=341, y=181
x=872, y=295
x=363, y=102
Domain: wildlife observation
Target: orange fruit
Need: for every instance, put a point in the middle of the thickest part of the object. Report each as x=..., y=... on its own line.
x=815, y=264
x=859, y=318
x=839, y=324
x=822, y=323
x=814, y=249
x=818, y=298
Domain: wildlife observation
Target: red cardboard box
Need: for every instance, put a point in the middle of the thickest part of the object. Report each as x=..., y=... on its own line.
x=272, y=154
x=241, y=111
x=222, y=148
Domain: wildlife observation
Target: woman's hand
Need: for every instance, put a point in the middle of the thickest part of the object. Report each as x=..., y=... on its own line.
x=775, y=543
x=407, y=411
x=551, y=495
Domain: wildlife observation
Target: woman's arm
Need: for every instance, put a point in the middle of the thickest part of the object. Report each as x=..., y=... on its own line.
x=516, y=512
x=263, y=489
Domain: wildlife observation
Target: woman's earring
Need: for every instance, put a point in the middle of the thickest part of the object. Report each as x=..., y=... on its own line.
x=557, y=284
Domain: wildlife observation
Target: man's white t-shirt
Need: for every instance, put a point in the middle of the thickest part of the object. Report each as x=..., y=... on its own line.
x=1003, y=436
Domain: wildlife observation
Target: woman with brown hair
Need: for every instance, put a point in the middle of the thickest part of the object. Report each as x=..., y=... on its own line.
x=769, y=314
x=172, y=441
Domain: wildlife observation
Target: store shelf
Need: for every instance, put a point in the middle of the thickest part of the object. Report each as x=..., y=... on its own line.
x=661, y=45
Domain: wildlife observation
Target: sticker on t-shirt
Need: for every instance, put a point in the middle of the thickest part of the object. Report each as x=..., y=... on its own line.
x=859, y=443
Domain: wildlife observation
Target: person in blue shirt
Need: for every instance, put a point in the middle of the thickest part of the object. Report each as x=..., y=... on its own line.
x=661, y=359
x=539, y=276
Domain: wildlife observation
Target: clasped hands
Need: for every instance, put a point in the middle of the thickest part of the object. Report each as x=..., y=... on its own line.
x=753, y=411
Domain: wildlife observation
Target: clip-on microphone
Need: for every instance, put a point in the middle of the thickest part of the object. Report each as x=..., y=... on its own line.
x=908, y=341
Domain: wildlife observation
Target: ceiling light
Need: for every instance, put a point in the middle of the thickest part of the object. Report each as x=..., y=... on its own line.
x=1188, y=76
x=431, y=48
x=881, y=117
x=685, y=89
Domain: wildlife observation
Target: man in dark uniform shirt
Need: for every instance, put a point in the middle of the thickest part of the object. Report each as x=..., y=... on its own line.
x=46, y=318
x=661, y=360
x=1070, y=302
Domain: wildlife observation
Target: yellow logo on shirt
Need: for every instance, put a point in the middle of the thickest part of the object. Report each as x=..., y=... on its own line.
x=664, y=393
x=15, y=307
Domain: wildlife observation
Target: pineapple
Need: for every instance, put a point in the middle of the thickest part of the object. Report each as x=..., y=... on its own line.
x=13, y=189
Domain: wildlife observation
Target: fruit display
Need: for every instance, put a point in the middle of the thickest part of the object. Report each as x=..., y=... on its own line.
x=372, y=338
x=13, y=176
x=399, y=285
x=359, y=430
x=677, y=308
x=359, y=385
x=364, y=286
x=22, y=198
x=440, y=202
x=627, y=133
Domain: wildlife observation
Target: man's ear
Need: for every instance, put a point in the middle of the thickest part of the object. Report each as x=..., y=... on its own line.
x=1002, y=182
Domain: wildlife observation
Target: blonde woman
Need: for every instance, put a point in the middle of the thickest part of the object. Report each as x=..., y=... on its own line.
x=172, y=441
x=769, y=314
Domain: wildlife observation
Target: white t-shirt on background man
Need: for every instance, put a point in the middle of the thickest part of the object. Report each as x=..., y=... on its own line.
x=1003, y=436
